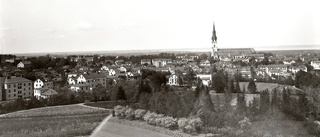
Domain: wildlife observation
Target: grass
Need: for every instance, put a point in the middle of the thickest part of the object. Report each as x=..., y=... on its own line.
x=261, y=86
x=78, y=125
x=284, y=128
x=107, y=104
x=58, y=121
x=54, y=111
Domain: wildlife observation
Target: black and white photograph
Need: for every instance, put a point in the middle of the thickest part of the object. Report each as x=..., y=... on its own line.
x=159, y=68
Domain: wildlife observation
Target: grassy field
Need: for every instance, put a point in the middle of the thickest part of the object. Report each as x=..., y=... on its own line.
x=54, y=111
x=261, y=86
x=70, y=120
x=107, y=104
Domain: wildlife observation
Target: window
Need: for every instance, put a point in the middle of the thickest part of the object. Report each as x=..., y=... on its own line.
x=29, y=84
x=9, y=91
x=8, y=85
x=14, y=95
x=9, y=96
x=14, y=90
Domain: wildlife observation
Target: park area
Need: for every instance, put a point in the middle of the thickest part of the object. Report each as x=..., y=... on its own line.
x=58, y=121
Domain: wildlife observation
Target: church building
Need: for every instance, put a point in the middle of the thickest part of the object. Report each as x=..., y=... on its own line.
x=230, y=54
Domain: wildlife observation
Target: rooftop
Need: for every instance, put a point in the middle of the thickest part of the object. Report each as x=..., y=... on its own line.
x=16, y=80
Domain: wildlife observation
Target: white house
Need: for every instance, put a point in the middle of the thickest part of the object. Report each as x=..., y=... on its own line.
x=206, y=79
x=205, y=63
x=122, y=70
x=129, y=74
x=295, y=69
x=112, y=72
x=43, y=84
x=23, y=64
x=104, y=68
x=315, y=65
x=173, y=80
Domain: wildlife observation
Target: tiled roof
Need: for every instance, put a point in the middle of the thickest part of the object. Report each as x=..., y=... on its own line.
x=48, y=92
x=16, y=80
x=94, y=75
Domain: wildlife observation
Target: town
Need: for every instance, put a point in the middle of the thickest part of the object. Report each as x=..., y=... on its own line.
x=92, y=68
x=44, y=76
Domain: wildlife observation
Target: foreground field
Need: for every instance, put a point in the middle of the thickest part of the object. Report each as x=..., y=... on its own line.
x=62, y=121
x=55, y=111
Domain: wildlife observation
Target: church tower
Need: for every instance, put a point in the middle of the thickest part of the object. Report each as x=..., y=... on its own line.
x=214, y=51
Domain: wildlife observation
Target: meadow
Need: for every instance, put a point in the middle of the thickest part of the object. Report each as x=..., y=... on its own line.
x=61, y=121
x=54, y=111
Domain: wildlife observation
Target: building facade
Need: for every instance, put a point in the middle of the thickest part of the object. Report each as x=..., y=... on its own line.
x=17, y=87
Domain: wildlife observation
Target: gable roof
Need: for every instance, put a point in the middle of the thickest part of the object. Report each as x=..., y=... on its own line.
x=16, y=80
x=94, y=75
x=48, y=92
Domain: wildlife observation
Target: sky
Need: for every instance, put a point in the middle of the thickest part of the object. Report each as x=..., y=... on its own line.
x=31, y=26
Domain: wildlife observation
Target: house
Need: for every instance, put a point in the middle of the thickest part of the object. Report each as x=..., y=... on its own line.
x=161, y=62
x=289, y=61
x=44, y=93
x=112, y=72
x=93, y=79
x=206, y=79
x=146, y=62
x=81, y=87
x=282, y=68
x=17, y=87
x=173, y=80
x=295, y=69
x=104, y=68
x=315, y=65
x=122, y=70
x=205, y=63
x=42, y=83
x=2, y=91
x=180, y=56
x=119, y=62
x=24, y=64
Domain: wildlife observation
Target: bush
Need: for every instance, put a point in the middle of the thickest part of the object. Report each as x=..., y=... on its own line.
x=169, y=122
x=190, y=126
x=139, y=113
x=130, y=114
x=182, y=123
x=117, y=110
x=245, y=123
x=120, y=111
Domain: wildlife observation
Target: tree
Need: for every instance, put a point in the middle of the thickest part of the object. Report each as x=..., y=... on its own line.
x=252, y=86
x=219, y=82
x=121, y=95
x=190, y=77
x=214, y=69
x=241, y=101
x=237, y=89
x=264, y=101
x=231, y=86
x=180, y=80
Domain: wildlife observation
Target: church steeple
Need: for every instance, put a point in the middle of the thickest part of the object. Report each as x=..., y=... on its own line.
x=214, y=52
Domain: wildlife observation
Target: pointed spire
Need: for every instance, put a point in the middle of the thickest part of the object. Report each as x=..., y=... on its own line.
x=214, y=36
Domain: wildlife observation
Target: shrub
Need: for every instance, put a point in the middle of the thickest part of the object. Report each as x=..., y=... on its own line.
x=182, y=123
x=117, y=110
x=130, y=114
x=190, y=126
x=120, y=111
x=169, y=122
x=245, y=123
x=139, y=113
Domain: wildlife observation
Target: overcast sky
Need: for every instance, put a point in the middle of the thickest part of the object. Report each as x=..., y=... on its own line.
x=29, y=26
